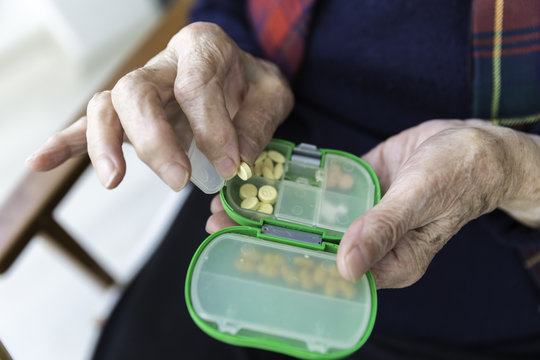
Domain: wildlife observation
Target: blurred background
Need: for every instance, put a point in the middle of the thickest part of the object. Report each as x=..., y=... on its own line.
x=54, y=55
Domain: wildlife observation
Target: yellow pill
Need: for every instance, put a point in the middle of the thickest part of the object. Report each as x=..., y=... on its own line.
x=330, y=288
x=244, y=265
x=268, y=270
x=302, y=261
x=347, y=289
x=268, y=163
x=333, y=271
x=258, y=168
x=268, y=172
x=250, y=203
x=248, y=191
x=268, y=194
x=346, y=182
x=278, y=171
x=306, y=280
x=249, y=253
x=289, y=275
x=276, y=156
x=244, y=171
x=265, y=208
x=261, y=158
x=320, y=275
x=273, y=259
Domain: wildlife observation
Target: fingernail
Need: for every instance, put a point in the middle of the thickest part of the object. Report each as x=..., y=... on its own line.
x=106, y=171
x=353, y=261
x=225, y=167
x=174, y=175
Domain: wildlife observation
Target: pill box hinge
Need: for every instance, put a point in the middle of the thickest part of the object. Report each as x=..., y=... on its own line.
x=307, y=154
x=291, y=234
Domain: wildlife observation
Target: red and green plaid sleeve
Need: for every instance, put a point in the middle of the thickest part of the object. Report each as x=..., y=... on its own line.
x=506, y=53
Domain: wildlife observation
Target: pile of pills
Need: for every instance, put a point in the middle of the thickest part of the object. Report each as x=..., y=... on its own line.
x=270, y=165
x=302, y=271
x=335, y=178
x=260, y=199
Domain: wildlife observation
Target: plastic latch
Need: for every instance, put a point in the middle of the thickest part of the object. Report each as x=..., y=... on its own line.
x=307, y=154
x=203, y=173
x=291, y=234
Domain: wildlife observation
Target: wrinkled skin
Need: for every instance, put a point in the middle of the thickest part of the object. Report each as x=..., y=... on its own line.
x=230, y=101
x=435, y=177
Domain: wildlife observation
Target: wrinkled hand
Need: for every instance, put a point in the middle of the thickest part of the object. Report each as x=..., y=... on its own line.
x=201, y=85
x=435, y=178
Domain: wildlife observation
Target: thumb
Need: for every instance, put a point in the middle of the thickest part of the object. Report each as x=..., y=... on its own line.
x=372, y=236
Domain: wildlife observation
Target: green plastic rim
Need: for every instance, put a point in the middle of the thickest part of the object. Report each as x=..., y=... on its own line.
x=265, y=343
x=252, y=228
x=249, y=222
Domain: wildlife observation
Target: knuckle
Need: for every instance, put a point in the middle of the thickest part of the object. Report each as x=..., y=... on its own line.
x=100, y=98
x=200, y=28
x=128, y=83
x=100, y=108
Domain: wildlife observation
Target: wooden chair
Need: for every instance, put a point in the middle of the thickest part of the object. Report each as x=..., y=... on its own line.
x=28, y=211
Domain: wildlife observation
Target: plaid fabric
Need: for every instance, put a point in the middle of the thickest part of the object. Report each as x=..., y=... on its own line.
x=281, y=29
x=506, y=53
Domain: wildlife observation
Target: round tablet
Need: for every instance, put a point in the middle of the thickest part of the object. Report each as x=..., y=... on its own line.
x=278, y=171
x=244, y=171
x=346, y=182
x=265, y=208
x=268, y=172
x=268, y=194
x=276, y=156
x=250, y=203
x=247, y=191
x=258, y=168
x=261, y=158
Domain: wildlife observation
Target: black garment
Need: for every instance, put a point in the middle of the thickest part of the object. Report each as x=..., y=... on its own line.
x=151, y=321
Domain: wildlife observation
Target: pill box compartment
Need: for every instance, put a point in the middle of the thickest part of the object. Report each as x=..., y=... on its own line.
x=252, y=288
x=250, y=291
x=328, y=197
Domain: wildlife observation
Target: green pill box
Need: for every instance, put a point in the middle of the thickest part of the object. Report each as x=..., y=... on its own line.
x=272, y=283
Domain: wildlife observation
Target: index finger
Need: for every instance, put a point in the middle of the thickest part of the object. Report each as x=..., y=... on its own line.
x=139, y=99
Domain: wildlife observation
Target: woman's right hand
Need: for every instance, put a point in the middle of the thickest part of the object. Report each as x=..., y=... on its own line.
x=200, y=85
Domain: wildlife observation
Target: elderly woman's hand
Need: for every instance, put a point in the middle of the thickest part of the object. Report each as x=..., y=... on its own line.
x=201, y=85
x=435, y=178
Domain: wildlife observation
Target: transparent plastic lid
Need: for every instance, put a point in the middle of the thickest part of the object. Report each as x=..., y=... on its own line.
x=265, y=290
x=203, y=173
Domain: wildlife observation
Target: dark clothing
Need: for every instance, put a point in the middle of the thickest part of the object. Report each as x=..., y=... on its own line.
x=372, y=69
